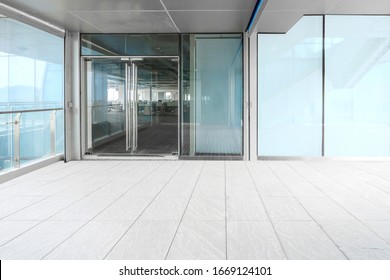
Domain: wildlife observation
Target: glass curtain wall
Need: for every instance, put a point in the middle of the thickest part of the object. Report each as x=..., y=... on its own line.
x=290, y=91
x=357, y=88
x=31, y=67
x=355, y=117
x=212, y=93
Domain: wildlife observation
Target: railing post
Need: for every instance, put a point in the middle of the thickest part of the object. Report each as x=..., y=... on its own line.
x=53, y=133
x=16, y=124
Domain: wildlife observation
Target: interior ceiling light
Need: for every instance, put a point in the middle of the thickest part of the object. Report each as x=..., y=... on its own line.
x=30, y=17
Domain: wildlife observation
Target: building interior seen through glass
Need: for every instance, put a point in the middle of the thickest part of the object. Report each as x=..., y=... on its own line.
x=117, y=113
x=212, y=93
x=134, y=100
x=31, y=94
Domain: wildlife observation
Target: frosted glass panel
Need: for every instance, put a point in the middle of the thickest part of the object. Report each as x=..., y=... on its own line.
x=357, y=96
x=212, y=95
x=290, y=91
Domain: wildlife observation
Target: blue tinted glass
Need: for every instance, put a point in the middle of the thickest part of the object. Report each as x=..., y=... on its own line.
x=290, y=90
x=212, y=95
x=31, y=67
x=357, y=95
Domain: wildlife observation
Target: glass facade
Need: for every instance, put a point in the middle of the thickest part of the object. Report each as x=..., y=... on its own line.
x=354, y=118
x=357, y=88
x=212, y=94
x=31, y=66
x=290, y=90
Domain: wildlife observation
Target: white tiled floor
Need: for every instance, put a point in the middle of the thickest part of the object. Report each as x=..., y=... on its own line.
x=198, y=210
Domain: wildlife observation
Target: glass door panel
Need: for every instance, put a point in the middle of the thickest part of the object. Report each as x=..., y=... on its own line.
x=157, y=110
x=132, y=106
x=105, y=105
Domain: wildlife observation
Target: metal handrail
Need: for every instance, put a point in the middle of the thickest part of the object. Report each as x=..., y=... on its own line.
x=16, y=130
x=30, y=111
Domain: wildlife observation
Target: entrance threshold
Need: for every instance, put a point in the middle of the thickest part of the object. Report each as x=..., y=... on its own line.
x=123, y=157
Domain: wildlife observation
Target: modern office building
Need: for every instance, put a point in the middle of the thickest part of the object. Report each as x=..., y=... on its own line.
x=179, y=80
x=212, y=80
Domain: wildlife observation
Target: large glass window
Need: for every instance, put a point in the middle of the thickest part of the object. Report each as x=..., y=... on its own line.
x=290, y=91
x=31, y=67
x=212, y=95
x=357, y=88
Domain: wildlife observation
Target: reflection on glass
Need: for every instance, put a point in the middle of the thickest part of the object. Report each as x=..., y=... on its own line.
x=212, y=95
x=31, y=67
x=108, y=98
x=357, y=96
x=34, y=136
x=290, y=90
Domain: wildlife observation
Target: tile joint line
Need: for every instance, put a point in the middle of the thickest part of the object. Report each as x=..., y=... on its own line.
x=169, y=15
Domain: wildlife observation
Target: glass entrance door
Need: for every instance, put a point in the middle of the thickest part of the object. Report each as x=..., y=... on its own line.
x=131, y=106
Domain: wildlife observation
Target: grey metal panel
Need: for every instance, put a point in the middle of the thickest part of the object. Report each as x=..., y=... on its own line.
x=72, y=22
x=322, y=7
x=211, y=21
x=288, y=5
x=278, y=22
x=129, y=21
x=84, y=5
x=252, y=87
x=72, y=97
x=361, y=7
x=246, y=5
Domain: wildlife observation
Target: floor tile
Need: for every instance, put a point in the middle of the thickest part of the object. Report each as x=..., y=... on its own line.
x=273, y=189
x=40, y=240
x=84, y=210
x=239, y=181
x=303, y=188
x=165, y=209
x=11, y=229
x=285, y=209
x=205, y=208
x=91, y=242
x=199, y=240
x=212, y=180
x=17, y=203
x=253, y=240
x=245, y=209
x=324, y=208
x=44, y=209
x=198, y=210
x=356, y=240
x=363, y=209
x=146, y=240
x=381, y=228
x=306, y=241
